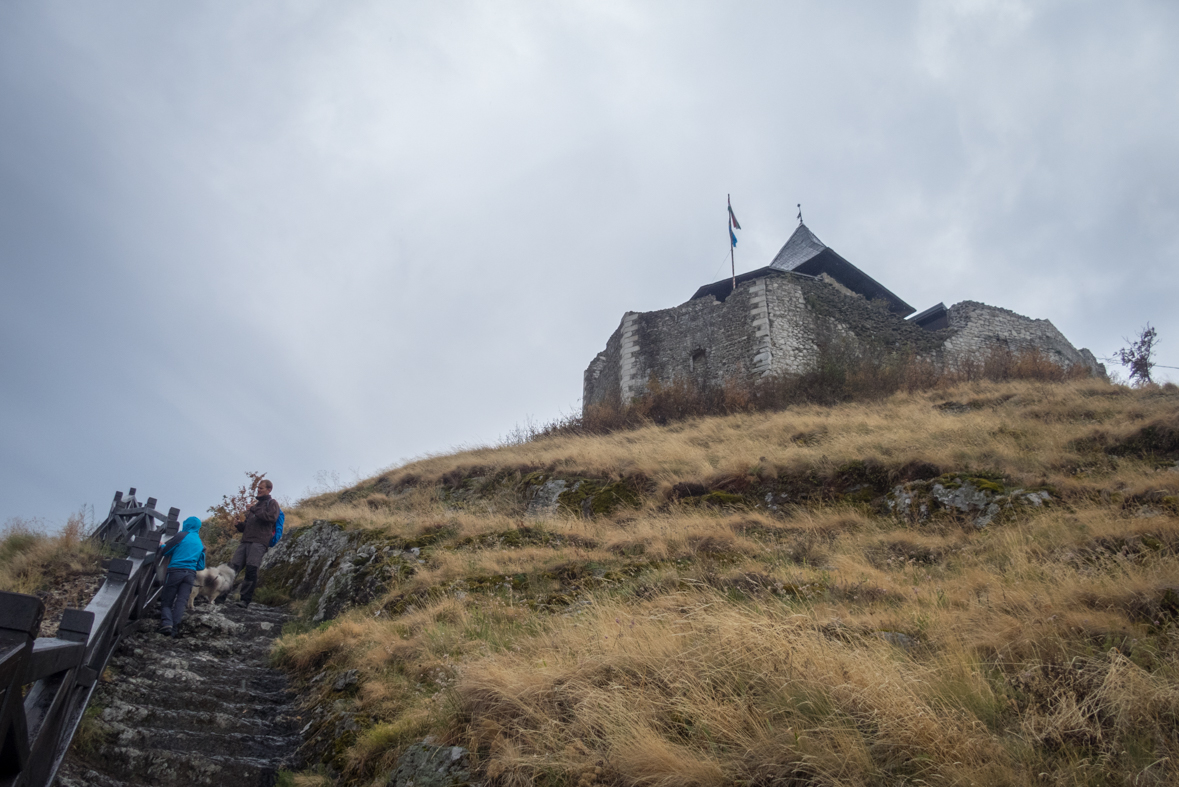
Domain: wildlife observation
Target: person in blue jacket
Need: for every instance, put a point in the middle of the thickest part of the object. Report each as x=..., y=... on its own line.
x=188, y=557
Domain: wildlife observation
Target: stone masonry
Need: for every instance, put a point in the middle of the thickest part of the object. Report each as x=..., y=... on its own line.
x=776, y=321
x=978, y=327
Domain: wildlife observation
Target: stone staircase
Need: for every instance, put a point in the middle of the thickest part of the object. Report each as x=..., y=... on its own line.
x=205, y=709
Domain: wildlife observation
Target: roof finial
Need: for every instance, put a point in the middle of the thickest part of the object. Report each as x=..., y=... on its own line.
x=800, y=214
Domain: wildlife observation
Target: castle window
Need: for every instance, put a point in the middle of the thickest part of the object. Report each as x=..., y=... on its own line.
x=697, y=361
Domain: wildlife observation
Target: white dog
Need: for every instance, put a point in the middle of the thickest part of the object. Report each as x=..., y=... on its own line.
x=212, y=582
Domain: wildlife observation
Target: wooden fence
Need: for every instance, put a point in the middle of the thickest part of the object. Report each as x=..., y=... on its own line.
x=46, y=682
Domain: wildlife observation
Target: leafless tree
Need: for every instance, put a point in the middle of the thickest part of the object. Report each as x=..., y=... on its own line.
x=1138, y=355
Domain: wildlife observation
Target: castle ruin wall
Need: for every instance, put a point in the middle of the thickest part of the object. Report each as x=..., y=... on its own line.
x=794, y=330
x=979, y=329
x=778, y=324
x=763, y=328
x=703, y=340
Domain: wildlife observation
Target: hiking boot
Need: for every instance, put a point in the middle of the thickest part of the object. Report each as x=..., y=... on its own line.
x=176, y=634
x=243, y=604
x=165, y=630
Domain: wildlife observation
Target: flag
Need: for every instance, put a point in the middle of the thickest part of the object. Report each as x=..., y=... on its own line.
x=732, y=236
x=733, y=218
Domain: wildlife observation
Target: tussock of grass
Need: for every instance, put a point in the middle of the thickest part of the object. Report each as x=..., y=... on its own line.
x=717, y=694
x=824, y=642
x=32, y=560
x=1062, y=432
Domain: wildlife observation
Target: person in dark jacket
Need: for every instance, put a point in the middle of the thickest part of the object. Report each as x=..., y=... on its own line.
x=188, y=557
x=256, y=530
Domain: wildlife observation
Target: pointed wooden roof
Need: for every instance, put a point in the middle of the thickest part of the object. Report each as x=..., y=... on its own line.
x=802, y=246
x=804, y=253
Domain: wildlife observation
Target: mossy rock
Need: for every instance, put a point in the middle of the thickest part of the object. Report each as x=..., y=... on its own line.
x=1157, y=443
x=988, y=482
x=1152, y=543
x=335, y=567
x=490, y=583
x=532, y=481
x=720, y=499
x=525, y=535
x=399, y=604
x=270, y=596
x=429, y=536
x=855, y=476
x=592, y=498
x=716, y=498
x=987, y=485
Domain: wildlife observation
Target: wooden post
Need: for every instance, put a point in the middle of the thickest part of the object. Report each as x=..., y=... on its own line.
x=20, y=620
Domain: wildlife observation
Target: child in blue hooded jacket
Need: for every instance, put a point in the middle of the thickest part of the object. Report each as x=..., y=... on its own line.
x=188, y=557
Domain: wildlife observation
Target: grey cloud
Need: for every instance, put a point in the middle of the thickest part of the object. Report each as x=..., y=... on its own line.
x=329, y=237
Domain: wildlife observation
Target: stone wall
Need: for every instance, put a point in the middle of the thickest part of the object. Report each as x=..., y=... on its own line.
x=978, y=329
x=602, y=380
x=793, y=329
x=776, y=324
x=769, y=325
x=703, y=340
x=870, y=322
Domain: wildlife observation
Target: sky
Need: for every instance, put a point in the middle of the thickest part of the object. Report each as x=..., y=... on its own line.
x=319, y=239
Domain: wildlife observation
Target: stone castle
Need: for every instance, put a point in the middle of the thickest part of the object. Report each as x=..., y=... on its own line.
x=777, y=318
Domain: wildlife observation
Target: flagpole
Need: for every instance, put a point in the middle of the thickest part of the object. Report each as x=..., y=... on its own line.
x=729, y=227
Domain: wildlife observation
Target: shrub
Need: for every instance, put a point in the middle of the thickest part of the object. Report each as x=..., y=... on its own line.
x=842, y=373
x=220, y=528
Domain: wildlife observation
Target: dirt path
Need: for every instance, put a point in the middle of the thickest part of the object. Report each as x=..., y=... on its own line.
x=202, y=710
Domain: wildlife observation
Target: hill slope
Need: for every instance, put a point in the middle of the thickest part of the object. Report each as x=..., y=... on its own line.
x=972, y=586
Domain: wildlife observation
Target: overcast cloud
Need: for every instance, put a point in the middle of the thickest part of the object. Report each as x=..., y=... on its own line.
x=308, y=238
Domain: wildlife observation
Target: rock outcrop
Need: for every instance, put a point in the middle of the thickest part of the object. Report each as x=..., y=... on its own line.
x=342, y=568
x=981, y=500
x=427, y=765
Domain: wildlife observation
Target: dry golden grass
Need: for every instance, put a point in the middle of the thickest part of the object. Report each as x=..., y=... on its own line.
x=1020, y=429
x=825, y=643
x=30, y=559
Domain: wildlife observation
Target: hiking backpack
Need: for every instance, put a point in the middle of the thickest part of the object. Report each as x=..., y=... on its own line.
x=274, y=539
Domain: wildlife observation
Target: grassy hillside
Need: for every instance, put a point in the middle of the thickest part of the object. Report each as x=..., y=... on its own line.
x=969, y=586
x=61, y=569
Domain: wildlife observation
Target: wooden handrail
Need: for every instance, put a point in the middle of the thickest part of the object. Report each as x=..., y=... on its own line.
x=61, y=672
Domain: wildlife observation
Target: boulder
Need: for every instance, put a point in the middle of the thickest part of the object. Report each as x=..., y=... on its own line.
x=426, y=765
x=981, y=500
x=344, y=568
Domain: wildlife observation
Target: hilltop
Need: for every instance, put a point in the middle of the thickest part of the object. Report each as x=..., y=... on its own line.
x=975, y=585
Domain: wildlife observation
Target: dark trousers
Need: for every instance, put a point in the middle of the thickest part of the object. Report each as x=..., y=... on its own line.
x=250, y=556
x=174, y=598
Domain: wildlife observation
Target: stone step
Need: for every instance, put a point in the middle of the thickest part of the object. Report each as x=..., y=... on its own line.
x=216, y=697
x=164, y=768
x=181, y=667
x=204, y=709
x=211, y=740
x=253, y=613
x=72, y=775
x=181, y=672
x=243, y=718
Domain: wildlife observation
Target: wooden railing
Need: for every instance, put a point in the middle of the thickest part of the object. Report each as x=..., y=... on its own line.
x=46, y=682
